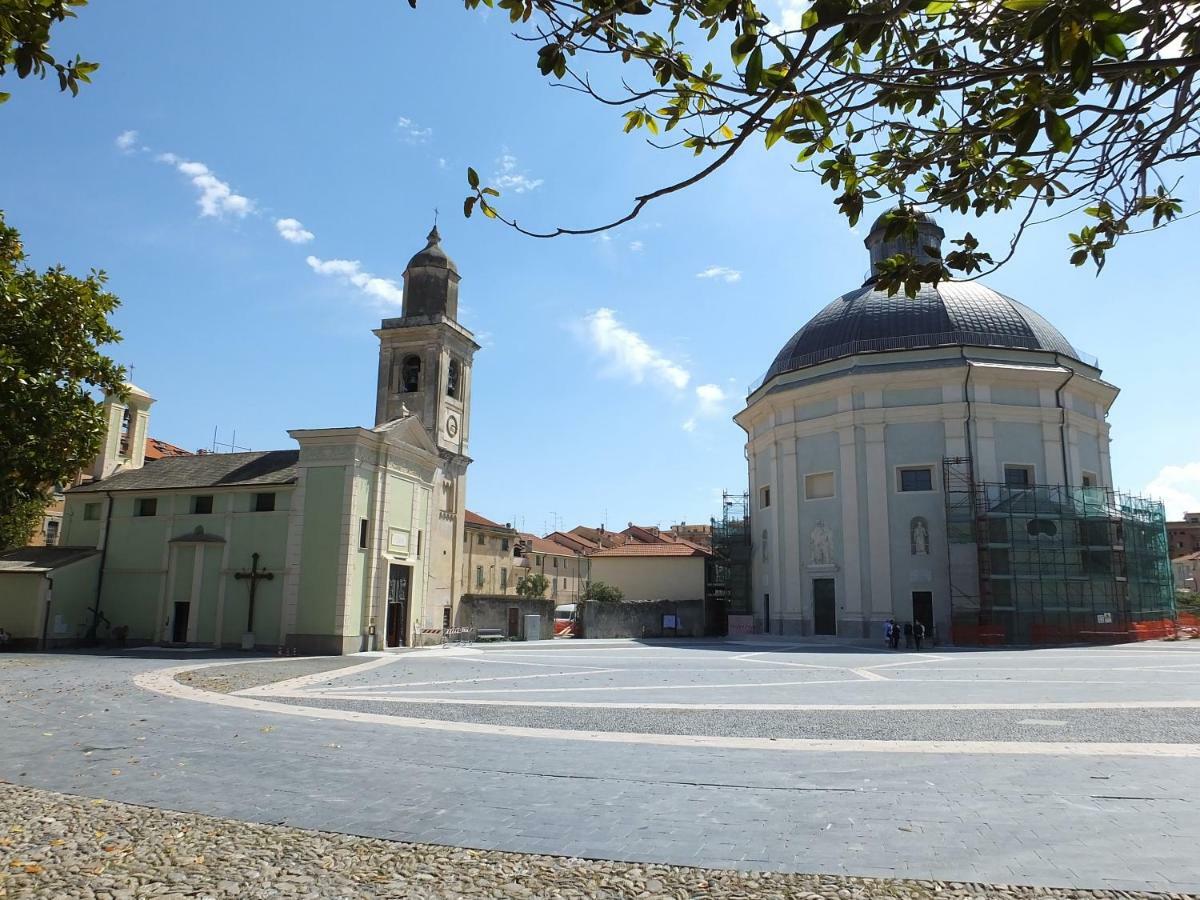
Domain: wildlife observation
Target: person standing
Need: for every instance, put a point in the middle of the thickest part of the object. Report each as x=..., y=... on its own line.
x=918, y=633
x=908, y=635
x=887, y=633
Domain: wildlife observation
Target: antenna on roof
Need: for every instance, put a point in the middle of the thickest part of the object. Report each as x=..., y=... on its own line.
x=230, y=446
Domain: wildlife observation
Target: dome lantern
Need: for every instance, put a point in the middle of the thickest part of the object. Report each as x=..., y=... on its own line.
x=929, y=234
x=431, y=281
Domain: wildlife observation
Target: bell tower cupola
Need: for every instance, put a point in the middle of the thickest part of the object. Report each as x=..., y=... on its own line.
x=431, y=281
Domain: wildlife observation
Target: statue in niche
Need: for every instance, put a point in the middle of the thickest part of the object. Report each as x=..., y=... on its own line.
x=821, y=545
x=919, y=530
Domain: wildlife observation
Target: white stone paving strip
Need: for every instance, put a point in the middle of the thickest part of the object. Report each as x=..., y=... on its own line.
x=163, y=681
x=367, y=688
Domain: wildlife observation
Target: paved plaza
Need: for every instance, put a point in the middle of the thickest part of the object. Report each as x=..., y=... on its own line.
x=1057, y=767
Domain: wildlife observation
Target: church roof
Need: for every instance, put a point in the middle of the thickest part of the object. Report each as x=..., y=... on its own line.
x=473, y=518
x=260, y=467
x=948, y=314
x=25, y=560
x=951, y=313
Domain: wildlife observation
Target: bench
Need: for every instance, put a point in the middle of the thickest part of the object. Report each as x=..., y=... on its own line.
x=490, y=634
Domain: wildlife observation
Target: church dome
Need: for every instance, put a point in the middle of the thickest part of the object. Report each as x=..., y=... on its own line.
x=952, y=313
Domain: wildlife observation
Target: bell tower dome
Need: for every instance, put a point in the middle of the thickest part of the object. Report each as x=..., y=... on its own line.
x=431, y=281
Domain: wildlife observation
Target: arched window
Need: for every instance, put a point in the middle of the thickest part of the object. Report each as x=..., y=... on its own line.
x=410, y=374
x=452, y=379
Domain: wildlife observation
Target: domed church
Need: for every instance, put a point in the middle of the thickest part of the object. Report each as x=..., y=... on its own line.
x=943, y=459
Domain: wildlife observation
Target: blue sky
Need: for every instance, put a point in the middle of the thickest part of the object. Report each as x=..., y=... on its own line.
x=610, y=367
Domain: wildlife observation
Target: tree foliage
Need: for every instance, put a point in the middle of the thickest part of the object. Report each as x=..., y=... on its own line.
x=599, y=592
x=25, y=38
x=1051, y=109
x=19, y=522
x=52, y=325
x=533, y=586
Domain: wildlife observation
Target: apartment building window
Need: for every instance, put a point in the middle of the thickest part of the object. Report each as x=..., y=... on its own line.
x=202, y=505
x=363, y=525
x=504, y=544
x=915, y=478
x=1089, y=479
x=556, y=562
x=264, y=502
x=146, y=506
x=52, y=532
x=541, y=560
x=504, y=579
x=480, y=540
x=764, y=497
x=479, y=576
x=91, y=512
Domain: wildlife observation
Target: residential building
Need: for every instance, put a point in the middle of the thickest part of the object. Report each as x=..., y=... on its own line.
x=566, y=568
x=1184, y=536
x=664, y=570
x=492, y=563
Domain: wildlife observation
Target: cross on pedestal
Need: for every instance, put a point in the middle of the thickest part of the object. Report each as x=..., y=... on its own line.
x=254, y=576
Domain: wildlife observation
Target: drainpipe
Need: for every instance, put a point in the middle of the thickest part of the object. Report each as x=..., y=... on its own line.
x=46, y=611
x=91, y=632
x=967, y=397
x=1062, y=421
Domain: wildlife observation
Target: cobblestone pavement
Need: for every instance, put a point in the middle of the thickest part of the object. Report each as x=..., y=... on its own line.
x=244, y=675
x=53, y=845
x=1033, y=812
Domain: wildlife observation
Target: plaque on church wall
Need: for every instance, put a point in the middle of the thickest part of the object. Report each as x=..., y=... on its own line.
x=398, y=540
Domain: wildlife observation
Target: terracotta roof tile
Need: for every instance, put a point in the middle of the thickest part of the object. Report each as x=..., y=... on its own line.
x=156, y=449
x=472, y=518
x=664, y=549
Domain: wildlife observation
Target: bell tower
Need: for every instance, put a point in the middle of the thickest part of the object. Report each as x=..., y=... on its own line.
x=425, y=360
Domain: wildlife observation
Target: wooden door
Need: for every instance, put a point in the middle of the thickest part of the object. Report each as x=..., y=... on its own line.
x=514, y=622
x=179, y=628
x=397, y=605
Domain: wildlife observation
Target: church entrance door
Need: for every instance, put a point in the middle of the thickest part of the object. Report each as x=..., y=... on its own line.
x=824, y=606
x=923, y=609
x=179, y=626
x=397, y=604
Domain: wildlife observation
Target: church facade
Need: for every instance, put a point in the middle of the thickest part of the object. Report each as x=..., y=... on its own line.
x=942, y=459
x=350, y=541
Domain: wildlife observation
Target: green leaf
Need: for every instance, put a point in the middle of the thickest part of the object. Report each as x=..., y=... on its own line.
x=469, y=206
x=938, y=8
x=4, y=97
x=1024, y=5
x=1059, y=132
x=472, y=178
x=754, y=69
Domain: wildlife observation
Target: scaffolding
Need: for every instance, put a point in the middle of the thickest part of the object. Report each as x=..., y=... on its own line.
x=729, y=580
x=1054, y=563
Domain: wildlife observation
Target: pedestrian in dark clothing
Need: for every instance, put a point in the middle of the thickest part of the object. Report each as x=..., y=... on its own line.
x=918, y=633
x=908, y=635
x=895, y=635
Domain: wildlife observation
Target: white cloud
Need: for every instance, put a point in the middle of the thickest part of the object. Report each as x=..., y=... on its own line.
x=292, y=231
x=628, y=353
x=441, y=162
x=710, y=403
x=509, y=178
x=1178, y=487
x=636, y=246
x=126, y=141
x=412, y=132
x=383, y=290
x=729, y=276
x=216, y=196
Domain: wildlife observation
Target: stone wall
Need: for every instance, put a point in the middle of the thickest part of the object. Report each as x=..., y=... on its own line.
x=491, y=611
x=641, y=618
